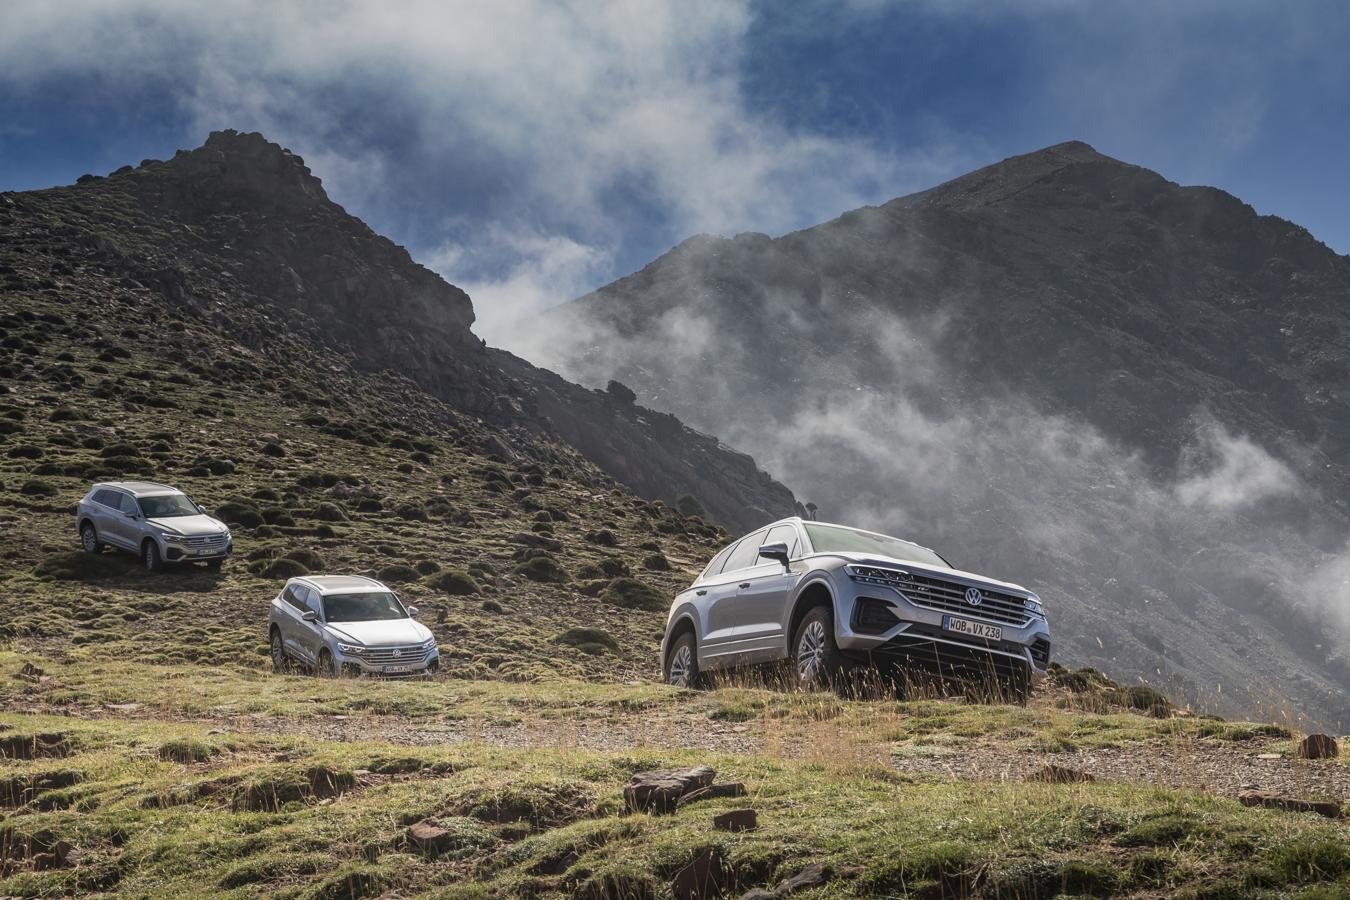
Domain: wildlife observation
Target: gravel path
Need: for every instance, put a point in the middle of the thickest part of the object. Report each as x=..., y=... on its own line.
x=1226, y=768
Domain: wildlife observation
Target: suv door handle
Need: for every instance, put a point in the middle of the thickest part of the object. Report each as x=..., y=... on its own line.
x=700, y=593
x=743, y=584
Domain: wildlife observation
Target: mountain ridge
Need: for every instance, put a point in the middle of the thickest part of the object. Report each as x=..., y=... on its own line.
x=1117, y=347
x=241, y=217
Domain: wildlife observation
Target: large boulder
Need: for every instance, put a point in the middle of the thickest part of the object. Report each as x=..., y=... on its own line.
x=1271, y=800
x=1317, y=746
x=660, y=791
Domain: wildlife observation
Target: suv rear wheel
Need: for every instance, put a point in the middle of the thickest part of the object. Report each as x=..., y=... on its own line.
x=682, y=662
x=814, y=651
x=150, y=556
x=89, y=539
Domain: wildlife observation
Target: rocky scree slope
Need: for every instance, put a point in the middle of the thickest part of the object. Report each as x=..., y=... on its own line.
x=1063, y=370
x=241, y=222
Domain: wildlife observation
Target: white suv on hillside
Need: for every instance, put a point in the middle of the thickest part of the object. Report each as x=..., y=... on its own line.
x=158, y=523
x=831, y=598
x=348, y=625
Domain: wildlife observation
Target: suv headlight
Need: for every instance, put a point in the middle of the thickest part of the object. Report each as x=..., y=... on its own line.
x=173, y=538
x=428, y=644
x=875, y=575
x=352, y=649
x=1034, y=607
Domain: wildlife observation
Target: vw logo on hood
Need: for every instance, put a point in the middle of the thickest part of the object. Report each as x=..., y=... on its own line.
x=974, y=597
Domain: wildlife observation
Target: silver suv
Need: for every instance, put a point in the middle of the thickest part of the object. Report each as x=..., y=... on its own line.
x=157, y=522
x=830, y=598
x=349, y=625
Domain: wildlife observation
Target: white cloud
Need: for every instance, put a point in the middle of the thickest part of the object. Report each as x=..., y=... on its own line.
x=580, y=103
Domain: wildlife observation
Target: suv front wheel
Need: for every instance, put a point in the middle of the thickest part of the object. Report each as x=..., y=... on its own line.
x=814, y=652
x=150, y=556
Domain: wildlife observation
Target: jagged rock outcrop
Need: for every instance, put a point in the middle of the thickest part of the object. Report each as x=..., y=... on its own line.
x=240, y=231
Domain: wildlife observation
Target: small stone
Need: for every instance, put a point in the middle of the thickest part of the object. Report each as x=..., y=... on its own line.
x=1060, y=775
x=1271, y=800
x=737, y=820
x=725, y=789
x=1317, y=746
x=1270, y=756
x=430, y=838
x=705, y=877
x=813, y=875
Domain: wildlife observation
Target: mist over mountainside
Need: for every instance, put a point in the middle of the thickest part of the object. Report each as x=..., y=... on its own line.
x=1061, y=370
x=240, y=225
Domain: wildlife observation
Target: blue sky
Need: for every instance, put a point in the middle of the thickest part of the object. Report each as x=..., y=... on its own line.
x=532, y=150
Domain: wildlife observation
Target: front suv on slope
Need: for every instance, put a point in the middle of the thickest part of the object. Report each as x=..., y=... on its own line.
x=348, y=625
x=830, y=598
x=158, y=523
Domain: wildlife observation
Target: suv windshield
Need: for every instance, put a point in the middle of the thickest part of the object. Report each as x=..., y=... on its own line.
x=831, y=539
x=167, y=506
x=371, y=606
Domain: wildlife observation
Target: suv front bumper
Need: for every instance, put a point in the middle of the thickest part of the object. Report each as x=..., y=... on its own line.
x=188, y=552
x=918, y=638
x=384, y=665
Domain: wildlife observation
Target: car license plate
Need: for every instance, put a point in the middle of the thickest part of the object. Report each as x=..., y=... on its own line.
x=205, y=552
x=973, y=629
x=391, y=669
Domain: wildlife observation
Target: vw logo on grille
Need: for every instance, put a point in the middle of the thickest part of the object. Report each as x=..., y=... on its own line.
x=974, y=597
x=397, y=653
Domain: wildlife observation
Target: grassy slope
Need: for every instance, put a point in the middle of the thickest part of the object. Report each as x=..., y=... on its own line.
x=158, y=804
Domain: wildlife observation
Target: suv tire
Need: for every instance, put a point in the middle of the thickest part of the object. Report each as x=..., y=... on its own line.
x=324, y=667
x=151, y=558
x=682, y=663
x=815, y=656
x=89, y=538
x=279, y=661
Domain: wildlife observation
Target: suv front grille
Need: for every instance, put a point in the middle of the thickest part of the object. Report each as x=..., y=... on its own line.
x=950, y=596
x=205, y=540
x=396, y=656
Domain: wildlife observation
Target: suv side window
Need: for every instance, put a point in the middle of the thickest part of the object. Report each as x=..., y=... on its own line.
x=784, y=534
x=716, y=565
x=104, y=498
x=127, y=503
x=746, y=552
x=291, y=596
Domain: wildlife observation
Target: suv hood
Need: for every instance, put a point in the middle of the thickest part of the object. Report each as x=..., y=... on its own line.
x=189, y=526
x=382, y=633
x=864, y=559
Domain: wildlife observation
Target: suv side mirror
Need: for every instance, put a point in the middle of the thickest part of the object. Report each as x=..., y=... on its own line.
x=310, y=615
x=412, y=611
x=132, y=515
x=777, y=551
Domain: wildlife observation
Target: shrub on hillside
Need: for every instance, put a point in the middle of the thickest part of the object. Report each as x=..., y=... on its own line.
x=36, y=488
x=656, y=562
x=453, y=582
x=543, y=569
x=328, y=512
x=397, y=573
x=239, y=512
x=284, y=568
x=594, y=641
x=630, y=593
